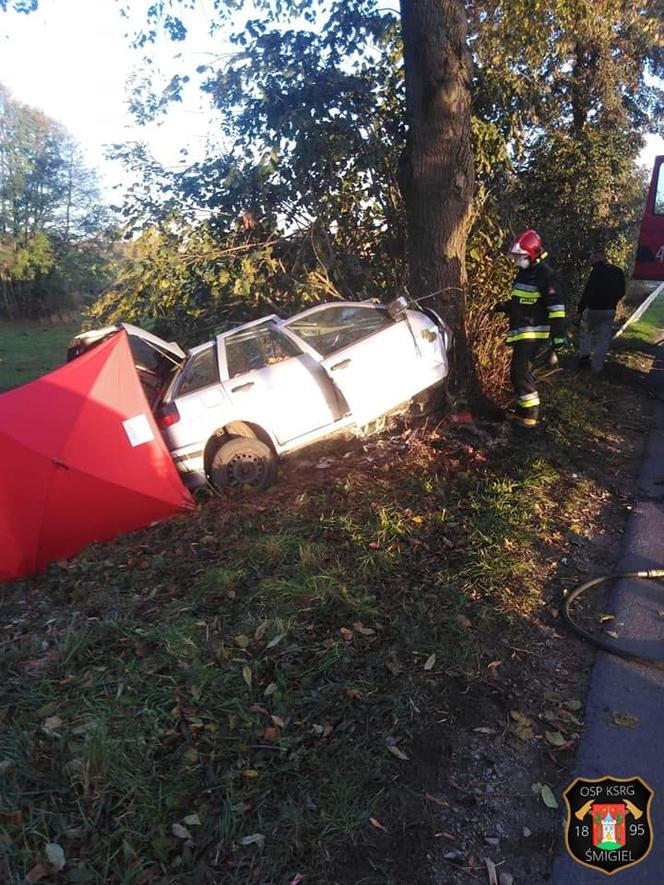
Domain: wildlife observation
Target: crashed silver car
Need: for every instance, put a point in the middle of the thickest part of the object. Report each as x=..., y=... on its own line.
x=233, y=405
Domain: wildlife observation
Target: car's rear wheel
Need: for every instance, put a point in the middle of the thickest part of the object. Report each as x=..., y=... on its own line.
x=243, y=462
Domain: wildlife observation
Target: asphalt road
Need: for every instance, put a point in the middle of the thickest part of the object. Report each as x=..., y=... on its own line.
x=622, y=687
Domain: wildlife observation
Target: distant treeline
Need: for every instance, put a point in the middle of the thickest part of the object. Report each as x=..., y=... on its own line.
x=56, y=237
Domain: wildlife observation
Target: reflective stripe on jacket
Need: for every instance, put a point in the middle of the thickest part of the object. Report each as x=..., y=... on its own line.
x=535, y=310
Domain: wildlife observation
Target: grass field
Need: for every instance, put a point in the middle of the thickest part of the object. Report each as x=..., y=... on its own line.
x=649, y=328
x=28, y=350
x=311, y=685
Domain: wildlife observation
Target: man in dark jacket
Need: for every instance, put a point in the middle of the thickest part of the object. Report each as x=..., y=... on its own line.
x=597, y=309
x=536, y=313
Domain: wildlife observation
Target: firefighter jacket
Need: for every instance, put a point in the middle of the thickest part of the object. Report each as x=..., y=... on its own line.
x=535, y=310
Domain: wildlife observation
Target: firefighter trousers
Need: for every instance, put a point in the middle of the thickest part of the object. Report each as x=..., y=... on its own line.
x=523, y=381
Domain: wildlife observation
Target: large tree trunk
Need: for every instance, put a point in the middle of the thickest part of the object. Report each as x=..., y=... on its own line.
x=436, y=172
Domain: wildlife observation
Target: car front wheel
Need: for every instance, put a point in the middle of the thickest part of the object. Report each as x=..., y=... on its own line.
x=243, y=461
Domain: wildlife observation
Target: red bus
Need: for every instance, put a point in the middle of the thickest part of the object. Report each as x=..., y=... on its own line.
x=650, y=253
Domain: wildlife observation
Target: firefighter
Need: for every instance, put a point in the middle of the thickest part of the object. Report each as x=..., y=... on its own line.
x=536, y=314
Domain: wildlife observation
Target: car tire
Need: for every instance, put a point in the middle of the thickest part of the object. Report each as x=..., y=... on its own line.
x=243, y=462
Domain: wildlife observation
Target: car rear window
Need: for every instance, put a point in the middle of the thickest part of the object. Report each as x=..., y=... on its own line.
x=200, y=371
x=339, y=326
x=147, y=357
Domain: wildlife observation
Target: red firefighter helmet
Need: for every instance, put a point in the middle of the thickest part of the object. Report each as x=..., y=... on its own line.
x=527, y=243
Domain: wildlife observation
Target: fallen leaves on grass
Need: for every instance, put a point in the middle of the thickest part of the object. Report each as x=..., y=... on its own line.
x=55, y=856
x=436, y=801
x=545, y=793
x=318, y=673
x=254, y=839
x=56, y=861
x=365, y=631
x=37, y=873
x=521, y=726
x=53, y=723
x=395, y=751
x=38, y=665
x=491, y=870
x=180, y=832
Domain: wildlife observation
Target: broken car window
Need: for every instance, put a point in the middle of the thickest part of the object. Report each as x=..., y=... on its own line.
x=339, y=326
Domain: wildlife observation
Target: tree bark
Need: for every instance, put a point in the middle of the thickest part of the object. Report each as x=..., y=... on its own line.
x=436, y=172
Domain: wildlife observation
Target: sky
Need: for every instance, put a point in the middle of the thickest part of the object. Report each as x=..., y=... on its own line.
x=72, y=58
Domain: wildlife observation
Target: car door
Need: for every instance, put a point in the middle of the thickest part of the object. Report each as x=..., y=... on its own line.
x=271, y=381
x=374, y=359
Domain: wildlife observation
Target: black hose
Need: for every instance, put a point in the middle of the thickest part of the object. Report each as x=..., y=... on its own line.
x=569, y=598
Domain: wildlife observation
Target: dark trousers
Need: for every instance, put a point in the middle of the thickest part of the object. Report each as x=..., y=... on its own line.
x=523, y=381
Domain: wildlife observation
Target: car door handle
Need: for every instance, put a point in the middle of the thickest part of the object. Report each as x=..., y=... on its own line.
x=245, y=386
x=341, y=365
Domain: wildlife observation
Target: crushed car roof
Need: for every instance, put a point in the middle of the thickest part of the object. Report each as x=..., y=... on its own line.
x=97, y=334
